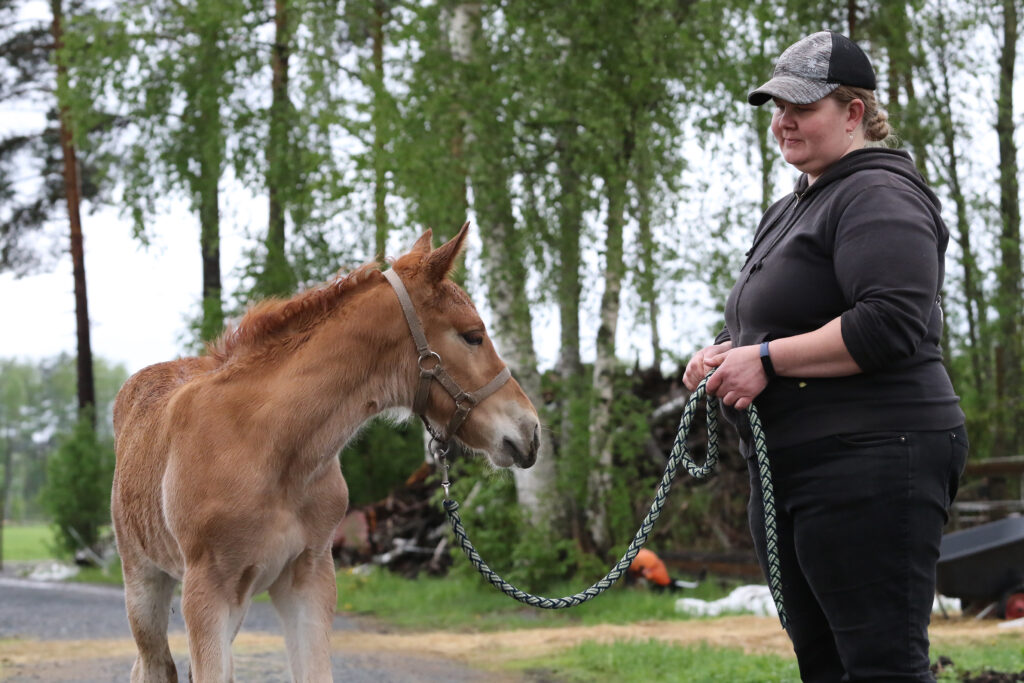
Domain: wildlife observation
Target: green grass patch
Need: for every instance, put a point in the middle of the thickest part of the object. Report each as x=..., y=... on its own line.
x=1005, y=654
x=28, y=542
x=469, y=603
x=656, y=661
x=651, y=661
x=109, y=575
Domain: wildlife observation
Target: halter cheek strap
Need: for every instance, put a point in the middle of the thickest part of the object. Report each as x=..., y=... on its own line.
x=431, y=369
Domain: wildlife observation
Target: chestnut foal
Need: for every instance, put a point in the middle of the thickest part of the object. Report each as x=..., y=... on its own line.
x=228, y=478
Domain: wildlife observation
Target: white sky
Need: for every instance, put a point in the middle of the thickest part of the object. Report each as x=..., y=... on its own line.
x=138, y=298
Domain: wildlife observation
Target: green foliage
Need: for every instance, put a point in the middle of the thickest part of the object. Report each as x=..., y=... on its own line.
x=521, y=552
x=77, y=492
x=380, y=458
x=32, y=191
x=633, y=485
x=38, y=404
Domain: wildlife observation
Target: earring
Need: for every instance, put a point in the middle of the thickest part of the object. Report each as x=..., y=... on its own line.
x=850, y=133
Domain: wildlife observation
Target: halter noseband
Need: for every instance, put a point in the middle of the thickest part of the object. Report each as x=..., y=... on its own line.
x=430, y=366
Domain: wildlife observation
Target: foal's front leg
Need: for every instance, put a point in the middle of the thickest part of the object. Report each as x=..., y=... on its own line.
x=305, y=596
x=213, y=606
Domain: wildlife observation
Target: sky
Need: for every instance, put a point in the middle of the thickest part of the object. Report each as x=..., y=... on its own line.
x=139, y=298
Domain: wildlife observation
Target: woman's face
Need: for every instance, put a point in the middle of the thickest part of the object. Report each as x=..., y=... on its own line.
x=814, y=136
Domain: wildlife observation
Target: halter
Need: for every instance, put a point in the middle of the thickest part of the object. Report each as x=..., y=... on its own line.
x=431, y=368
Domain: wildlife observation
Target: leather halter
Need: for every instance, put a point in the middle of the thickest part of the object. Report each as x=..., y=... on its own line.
x=430, y=366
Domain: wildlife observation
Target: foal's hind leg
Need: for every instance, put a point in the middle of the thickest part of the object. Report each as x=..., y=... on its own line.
x=147, y=595
x=305, y=596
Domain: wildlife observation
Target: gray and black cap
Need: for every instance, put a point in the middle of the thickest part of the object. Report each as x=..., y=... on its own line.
x=815, y=66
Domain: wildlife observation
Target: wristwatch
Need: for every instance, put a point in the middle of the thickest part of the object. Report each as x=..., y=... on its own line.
x=766, y=361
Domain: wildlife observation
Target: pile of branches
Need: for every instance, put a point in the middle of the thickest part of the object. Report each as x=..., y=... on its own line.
x=407, y=531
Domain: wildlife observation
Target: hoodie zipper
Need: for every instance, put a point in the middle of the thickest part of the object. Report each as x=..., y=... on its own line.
x=780, y=232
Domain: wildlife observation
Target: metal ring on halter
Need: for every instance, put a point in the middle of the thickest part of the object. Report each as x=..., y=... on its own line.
x=427, y=355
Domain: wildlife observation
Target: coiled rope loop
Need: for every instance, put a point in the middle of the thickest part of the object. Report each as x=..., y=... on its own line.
x=680, y=456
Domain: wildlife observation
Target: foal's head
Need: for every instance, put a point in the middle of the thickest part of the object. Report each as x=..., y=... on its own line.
x=505, y=424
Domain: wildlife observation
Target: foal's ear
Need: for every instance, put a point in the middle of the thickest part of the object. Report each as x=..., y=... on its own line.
x=442, y=260
x=422, y=245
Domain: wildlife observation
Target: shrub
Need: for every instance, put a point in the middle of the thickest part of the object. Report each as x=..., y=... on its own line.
x=77, y=492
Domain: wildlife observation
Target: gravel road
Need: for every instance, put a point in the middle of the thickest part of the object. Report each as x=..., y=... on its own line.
x=53, y=631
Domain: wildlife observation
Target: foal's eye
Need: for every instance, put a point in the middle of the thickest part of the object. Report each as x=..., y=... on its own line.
x=473, y=338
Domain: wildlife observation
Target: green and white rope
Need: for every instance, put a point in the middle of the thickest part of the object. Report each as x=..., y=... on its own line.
x=680, y=456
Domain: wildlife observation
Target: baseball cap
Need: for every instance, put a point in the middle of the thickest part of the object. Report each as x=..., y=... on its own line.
x=813, y=67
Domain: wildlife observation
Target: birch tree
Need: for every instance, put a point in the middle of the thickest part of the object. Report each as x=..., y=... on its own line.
x=173, y=73
x=490, y=167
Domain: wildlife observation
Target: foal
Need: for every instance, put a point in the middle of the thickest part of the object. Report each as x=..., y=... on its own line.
x=228, y=478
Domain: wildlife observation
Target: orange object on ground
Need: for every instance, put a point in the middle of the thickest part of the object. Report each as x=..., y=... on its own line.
x=649, y=566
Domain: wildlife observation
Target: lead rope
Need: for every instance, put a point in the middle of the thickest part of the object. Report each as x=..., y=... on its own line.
x=680, y=455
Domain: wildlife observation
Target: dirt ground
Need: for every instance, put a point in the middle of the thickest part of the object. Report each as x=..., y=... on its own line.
x=258, y=653
x=753, y=635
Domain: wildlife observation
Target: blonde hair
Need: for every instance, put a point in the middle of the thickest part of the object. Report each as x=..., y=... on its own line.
x=875, y=121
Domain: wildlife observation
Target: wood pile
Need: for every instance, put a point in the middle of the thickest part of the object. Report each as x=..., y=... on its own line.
x=407, y=531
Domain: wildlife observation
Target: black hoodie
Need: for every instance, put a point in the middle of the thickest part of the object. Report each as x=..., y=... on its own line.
x=865, y=242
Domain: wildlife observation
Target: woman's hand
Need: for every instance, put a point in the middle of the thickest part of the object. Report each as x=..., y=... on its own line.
x=697, y=369
x=740, y=377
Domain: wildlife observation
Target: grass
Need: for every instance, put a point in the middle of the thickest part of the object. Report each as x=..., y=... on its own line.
x=1005, y=653
x=111, y=575
x=652, y=661
x=655, y=661
x=28, y=542
x=468, y=603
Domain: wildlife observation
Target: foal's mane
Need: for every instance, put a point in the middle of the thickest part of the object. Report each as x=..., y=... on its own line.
x=275, y=322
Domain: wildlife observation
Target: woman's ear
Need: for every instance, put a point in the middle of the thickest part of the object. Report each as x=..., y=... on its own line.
x=854, y=113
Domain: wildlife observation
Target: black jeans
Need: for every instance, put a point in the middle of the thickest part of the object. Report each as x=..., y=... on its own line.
x=860, y=519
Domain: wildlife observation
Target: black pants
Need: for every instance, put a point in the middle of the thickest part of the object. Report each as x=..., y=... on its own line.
x=860, y=519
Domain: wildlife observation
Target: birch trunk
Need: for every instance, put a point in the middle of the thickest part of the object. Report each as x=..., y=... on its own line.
x=605, y=361
x=380, y=214
x=486, y=148
x=648, y=266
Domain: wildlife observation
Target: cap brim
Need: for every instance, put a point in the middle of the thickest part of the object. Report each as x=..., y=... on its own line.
x=791, y=89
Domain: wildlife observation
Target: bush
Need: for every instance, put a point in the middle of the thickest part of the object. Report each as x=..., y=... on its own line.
x=77, y=491
x=380, y=458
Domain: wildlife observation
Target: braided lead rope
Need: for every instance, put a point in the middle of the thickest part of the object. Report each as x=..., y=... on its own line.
x=680, y=455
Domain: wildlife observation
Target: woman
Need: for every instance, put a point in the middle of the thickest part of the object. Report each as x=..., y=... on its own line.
x=833, y=330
